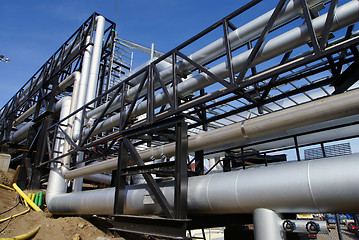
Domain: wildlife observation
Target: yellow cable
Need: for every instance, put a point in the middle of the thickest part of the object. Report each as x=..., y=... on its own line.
x=24, y=236
x=6, y=187
x=27, y=199
x=13, y=216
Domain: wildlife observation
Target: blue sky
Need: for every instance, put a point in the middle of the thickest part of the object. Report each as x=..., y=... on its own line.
x=31, y=31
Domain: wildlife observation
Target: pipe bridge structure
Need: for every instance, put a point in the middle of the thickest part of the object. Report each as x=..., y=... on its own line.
x=197, y=138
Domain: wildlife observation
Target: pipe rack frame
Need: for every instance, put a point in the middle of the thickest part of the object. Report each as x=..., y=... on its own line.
x=34, y=103
x=150, y=75
x=173, y=216
x=131, y=131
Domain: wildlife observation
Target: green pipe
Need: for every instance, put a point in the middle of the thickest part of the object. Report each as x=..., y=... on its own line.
x=36, y=199
x=41, y=195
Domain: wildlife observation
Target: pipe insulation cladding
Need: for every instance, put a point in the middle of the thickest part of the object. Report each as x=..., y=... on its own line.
x=240, y=36
x=325, y=185
x=345, y=15
x=22, y=133
x=329, y=108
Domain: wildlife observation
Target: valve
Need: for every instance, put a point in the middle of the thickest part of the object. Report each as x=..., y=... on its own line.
x=289, y=226
x=312, y=227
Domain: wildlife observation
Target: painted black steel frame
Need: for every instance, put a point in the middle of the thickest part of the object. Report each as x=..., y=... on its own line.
x=131, y=132
x=41, y=92
x=173, y=224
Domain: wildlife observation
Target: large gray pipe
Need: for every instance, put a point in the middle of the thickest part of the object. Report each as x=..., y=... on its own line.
x=236, y=38
x=345, y=15
x=326, y=185
x=23, y=132
x=56, y=183
x=329, y=108
x=240, y=36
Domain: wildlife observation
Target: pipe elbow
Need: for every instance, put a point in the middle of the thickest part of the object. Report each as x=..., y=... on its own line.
x=64, y=170
x=77, y=75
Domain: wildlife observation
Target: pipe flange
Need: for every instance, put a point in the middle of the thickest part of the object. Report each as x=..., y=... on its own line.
x=312, y=227
x=289, y=226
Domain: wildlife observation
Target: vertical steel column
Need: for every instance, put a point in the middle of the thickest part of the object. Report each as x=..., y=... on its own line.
x=181, y=181
x=339, y=229
x=243, y=158
x=267, y=225
x=150, y=94
x=40, y=154
x=297, y=147
x=323, y=150
x=120, y=181
x=199, y=162
x=227, y=162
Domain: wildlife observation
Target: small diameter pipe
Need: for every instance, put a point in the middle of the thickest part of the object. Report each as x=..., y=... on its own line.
x=26, y=198
x=6, y=187
x=325, y=185
x=329, y=108
x=41, y=195
x=345, y=15
x=14, y=216
x=36, y=199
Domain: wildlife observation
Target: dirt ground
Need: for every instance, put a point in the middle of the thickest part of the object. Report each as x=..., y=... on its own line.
x=51, y=227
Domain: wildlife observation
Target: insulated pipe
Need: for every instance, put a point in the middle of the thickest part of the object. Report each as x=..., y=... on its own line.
x=322, y=136
x=74, y=49
x=64, y=84
x=81, y=99
x=100, y=178
x=236, y=38
x=91, y=65
x=288, y=187
x=90, y=78
x=267, y=225
x=329, y=108
x=25, y=115
x=56, y=183
x=22, y=133
x=96, y=59
x=345, y=15
x=70, y=121
x=161, y=66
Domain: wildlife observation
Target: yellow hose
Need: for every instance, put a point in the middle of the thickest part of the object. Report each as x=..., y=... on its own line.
x=24, y=236
x=13, y=216
x=6, y=187
x=26, y=198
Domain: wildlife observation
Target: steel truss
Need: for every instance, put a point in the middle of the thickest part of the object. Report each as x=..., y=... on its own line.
x=174, y=223
x=42, y=91
x=255, y=88
x=247, y=91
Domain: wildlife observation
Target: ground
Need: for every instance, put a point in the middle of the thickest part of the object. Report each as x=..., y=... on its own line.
x=76, y=228
x=51, y=227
